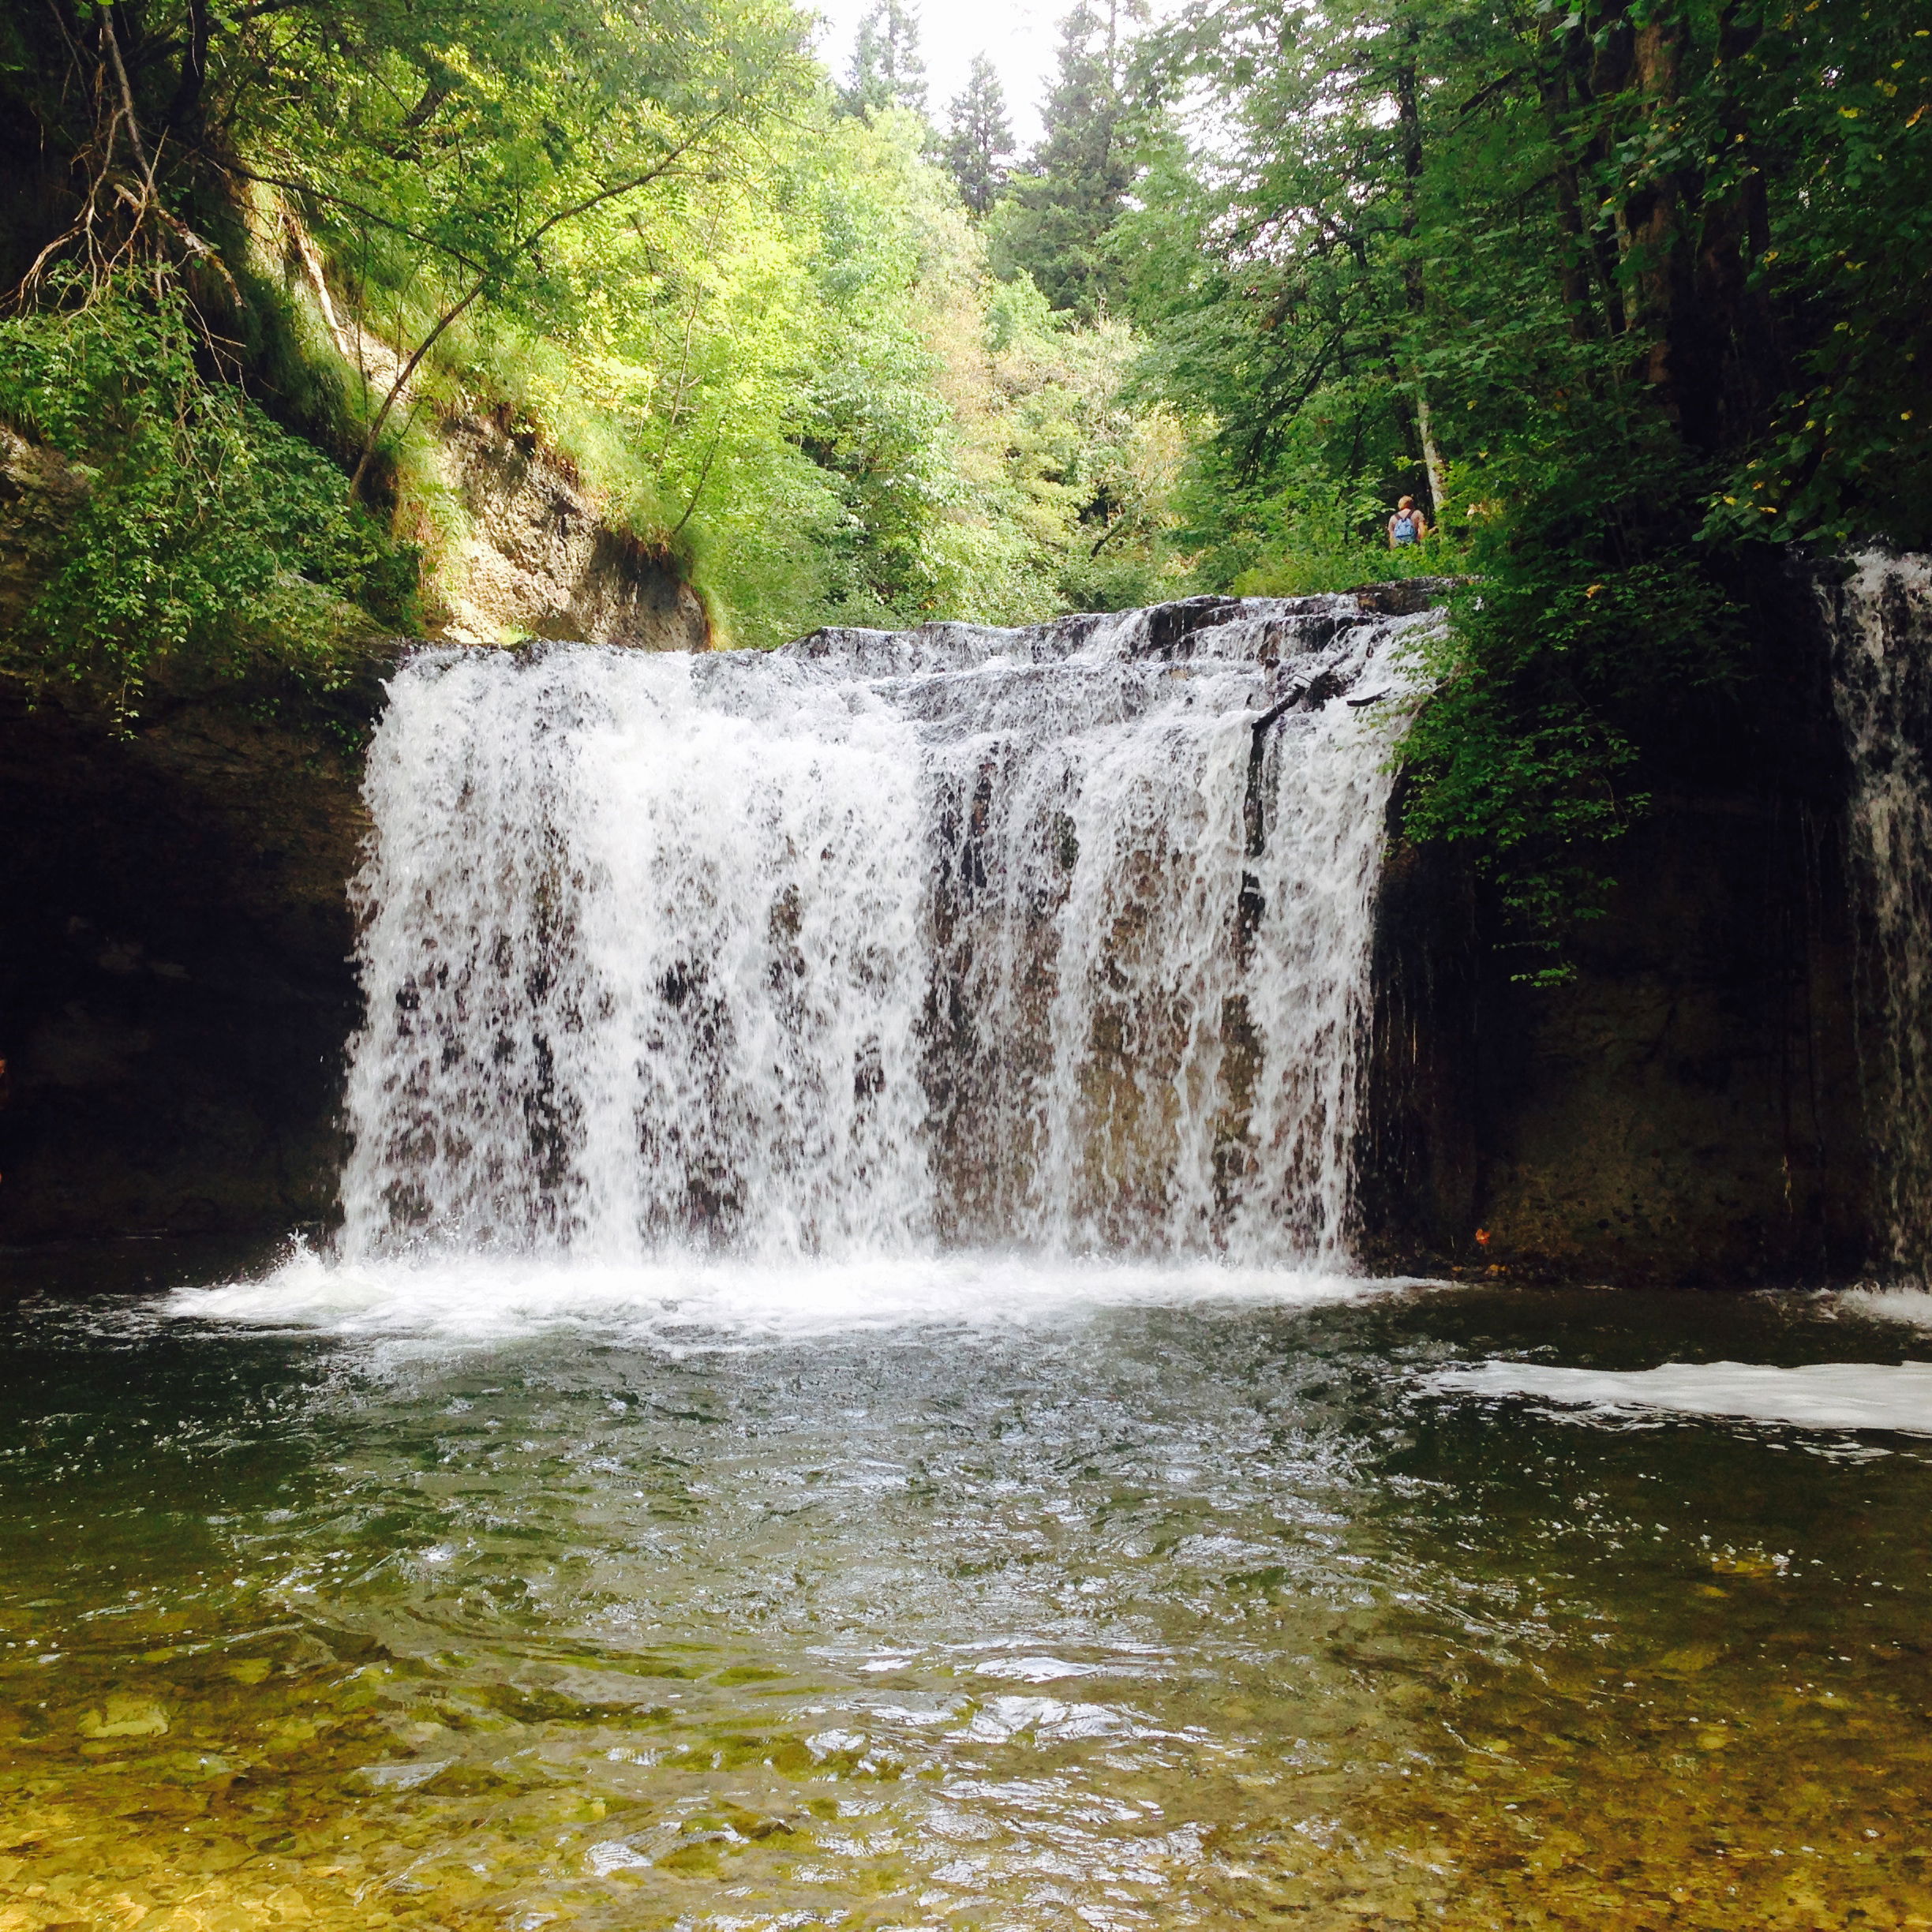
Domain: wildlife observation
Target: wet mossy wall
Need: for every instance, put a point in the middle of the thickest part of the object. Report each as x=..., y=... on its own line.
x=175, y=979
x=1688, y=1109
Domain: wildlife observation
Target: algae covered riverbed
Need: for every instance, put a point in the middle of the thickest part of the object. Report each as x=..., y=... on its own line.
x=971, y=1595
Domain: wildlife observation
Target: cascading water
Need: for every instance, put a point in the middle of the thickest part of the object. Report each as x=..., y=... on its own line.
x=1880, y=622
x=1055, y=938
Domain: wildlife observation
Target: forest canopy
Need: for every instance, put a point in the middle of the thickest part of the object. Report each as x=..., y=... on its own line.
x=1632, y=297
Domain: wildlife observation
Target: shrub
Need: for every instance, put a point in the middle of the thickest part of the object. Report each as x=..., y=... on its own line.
x=203, y=526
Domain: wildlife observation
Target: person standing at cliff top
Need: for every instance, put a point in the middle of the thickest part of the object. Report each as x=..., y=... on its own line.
x=1407, y=525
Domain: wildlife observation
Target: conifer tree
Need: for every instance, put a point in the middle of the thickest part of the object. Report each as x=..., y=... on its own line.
x=979, y=142
x=1060, y=209
x=887, y=70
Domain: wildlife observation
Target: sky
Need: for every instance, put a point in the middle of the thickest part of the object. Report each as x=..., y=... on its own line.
x=1018, y=39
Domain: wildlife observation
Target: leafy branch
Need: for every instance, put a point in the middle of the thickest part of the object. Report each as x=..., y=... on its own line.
x=493, y=272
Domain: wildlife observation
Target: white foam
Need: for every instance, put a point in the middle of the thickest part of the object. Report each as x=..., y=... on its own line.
x=678, y=1301
x=1827, y=1395
x=1913, y=1306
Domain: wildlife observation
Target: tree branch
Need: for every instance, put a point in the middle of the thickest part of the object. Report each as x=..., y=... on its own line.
x=368, y=214
x=522, y=246
x=127, y=93
x=704, y=477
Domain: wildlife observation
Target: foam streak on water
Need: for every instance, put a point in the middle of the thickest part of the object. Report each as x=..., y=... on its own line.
x=1827, y=1395
x=1054, y=939
x=682, y=1303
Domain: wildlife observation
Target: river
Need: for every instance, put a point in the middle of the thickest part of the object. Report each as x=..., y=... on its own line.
x=970, y=1594
x=842, y=1394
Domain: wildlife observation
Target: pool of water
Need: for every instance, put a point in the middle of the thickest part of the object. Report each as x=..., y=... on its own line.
x=979, y=1595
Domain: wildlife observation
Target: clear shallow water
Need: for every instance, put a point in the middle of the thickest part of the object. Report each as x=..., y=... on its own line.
x=969, y=1595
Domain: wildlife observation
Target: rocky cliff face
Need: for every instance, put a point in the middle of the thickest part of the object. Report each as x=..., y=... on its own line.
x=1687, y=1111
x=1696, y=1106
x=1692, y=1108
x=538, y=563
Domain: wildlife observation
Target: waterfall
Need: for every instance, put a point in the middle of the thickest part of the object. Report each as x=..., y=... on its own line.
x=1880, y=619
x=1054, y=938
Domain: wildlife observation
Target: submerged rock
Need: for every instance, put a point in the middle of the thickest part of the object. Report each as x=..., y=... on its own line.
x=125, y=1717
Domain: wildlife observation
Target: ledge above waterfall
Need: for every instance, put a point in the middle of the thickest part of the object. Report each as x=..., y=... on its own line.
x=1242, y=630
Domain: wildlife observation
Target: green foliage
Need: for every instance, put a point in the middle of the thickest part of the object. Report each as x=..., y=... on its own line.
x=1075, y=475
x=480, y=173
x=1621, y=289
x=1837, y=98
x=1588, y=610
x=803, y=374
x=200, y=524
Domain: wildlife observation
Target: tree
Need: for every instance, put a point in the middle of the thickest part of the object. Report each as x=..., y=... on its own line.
x=1612, y=270
x=980, y=141
x=886, y=70
x=1060, y=211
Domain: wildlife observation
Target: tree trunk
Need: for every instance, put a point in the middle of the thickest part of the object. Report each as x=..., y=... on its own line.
x=1676, y=364
x=1612, y=54
x=1735, y=232
x=1408, y=123
x=1573, y=261
x=1432, y=456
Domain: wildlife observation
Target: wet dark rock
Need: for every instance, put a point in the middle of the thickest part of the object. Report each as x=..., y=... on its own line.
x=1170, y=625
x=1689, y=1109
x=1406, y=597
x=175, y=984
x=1259, y=630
